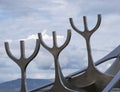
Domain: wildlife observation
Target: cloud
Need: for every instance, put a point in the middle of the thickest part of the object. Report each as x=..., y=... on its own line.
x=23, y=19
x=24, y=8
x=96, y=7
x=44, y=60
x=31, y=37
x=56, y=7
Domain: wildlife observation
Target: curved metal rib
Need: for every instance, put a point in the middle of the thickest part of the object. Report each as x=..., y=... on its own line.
x=7, y=48
x=74, y=27
x=67, y=40
x=98, y=23
x=35, y=51
x=42, y=42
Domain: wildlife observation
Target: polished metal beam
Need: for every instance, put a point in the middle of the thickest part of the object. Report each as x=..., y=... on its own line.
x=112, y=82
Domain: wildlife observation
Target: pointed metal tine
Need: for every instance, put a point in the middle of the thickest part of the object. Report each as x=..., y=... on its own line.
x=85, y=23
x=9, y=52
x=37, y=47
x=54, y=39
x=42, y=42
x=67, y=39
x=22, y=49
x=74, y=27
x=98, y=24
x=23, y=62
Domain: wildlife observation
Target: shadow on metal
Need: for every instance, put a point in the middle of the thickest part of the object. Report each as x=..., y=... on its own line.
x=113, y=54
x=91, y=75
x=60, y=84
x=89, y=78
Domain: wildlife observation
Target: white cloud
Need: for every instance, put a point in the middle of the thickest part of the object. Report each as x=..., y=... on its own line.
x=31, y=37
x=23, y=19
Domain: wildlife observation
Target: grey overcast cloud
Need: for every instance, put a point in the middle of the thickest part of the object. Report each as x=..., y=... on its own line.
x=24, y=19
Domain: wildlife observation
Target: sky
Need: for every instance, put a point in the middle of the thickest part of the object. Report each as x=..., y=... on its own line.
x=24, y=19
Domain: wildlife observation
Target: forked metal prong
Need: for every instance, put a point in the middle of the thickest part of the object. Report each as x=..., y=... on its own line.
x=22, y=49
x=98, y=23
x=86, y=33
x=67, y=39
x=7, y=48
x=85, y=23
x=89, y=76
x=74, y=27
x=42, y=42
x=60, y=48
x=33, y=55
x=54, y=39
x=23, y=61
x=60, y=84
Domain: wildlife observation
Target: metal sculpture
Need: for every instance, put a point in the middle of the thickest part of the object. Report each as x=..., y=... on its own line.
x=113, y=54
x=91, y=75
x=23, y=62
x=60, y=84
x=87, y=80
